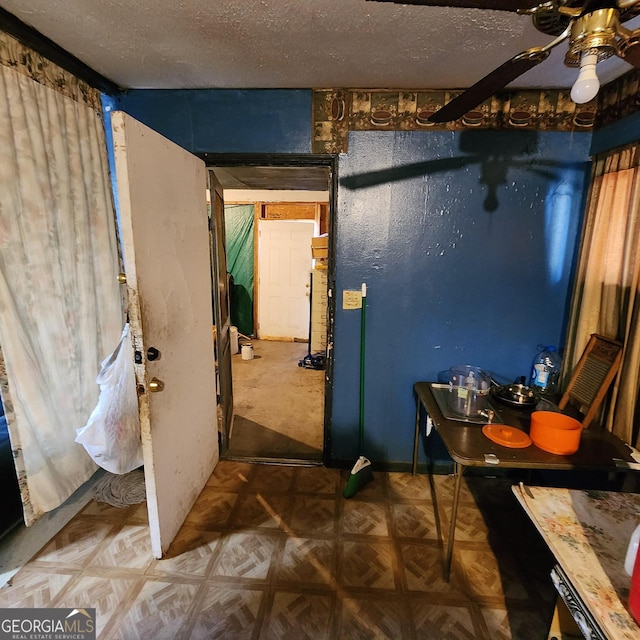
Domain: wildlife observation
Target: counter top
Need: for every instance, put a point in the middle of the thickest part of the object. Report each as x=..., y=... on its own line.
x=588, y=532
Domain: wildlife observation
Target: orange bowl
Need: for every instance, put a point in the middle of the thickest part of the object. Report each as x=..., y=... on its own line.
x=555, y=433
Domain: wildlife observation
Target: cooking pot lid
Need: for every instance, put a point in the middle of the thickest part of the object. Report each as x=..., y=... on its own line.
x=515, y=394
x=506, y=436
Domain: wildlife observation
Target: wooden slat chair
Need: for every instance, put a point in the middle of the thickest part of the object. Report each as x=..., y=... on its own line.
x=592, y=377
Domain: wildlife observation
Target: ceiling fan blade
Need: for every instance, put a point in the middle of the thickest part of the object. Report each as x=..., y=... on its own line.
x=496, y=80
x=496, y=5
x=486, y=87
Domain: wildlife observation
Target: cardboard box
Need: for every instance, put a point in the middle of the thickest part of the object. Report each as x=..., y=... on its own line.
x=320, y=247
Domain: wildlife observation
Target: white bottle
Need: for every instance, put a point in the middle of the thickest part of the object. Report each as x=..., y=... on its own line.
x=632, y=551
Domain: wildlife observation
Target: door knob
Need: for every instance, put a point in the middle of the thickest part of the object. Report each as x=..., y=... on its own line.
x=155, y=386
x=152, y=353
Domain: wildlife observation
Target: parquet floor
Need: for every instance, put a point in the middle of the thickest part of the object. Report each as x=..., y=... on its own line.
x=276, y=552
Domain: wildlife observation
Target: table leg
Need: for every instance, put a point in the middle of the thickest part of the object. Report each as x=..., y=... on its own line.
x=458, y=470
x=416, y=438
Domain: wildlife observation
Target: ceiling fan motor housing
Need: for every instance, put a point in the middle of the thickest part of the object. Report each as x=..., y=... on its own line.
x=593, y=33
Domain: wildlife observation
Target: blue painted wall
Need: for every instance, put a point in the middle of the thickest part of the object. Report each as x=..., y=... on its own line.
x=467, y=243
x=226, y=121
x=617, y=134
x=466, y=240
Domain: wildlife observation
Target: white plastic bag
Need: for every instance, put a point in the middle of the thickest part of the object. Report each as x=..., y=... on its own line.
x=112, y=435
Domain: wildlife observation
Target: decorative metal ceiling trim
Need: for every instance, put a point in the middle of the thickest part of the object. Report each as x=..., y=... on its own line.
x=338, y=111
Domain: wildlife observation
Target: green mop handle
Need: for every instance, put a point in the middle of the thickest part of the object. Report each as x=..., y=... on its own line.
x=362, y=333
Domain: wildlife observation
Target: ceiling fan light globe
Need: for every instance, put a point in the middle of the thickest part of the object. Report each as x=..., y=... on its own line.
x=587, y=85
x=584, y=91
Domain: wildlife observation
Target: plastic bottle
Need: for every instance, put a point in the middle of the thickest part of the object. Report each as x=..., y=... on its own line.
x=545, y=371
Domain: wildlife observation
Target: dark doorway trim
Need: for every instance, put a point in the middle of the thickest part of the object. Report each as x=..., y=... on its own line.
x=267, y=159
x=302, y=161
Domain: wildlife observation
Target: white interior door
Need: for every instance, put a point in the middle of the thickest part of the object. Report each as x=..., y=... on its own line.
x=284, y=271
x=165, y=238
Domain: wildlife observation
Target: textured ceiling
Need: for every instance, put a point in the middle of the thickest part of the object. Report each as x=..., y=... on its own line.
x=227, y=44
x=172, y=44
x=285, y=178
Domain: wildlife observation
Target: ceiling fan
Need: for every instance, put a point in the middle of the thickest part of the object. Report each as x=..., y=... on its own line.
x=593, y=29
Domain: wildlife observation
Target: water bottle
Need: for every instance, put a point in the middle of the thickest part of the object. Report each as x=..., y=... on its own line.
x=545, y=372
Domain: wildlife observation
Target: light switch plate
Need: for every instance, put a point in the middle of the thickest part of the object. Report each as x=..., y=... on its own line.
x=351, y=299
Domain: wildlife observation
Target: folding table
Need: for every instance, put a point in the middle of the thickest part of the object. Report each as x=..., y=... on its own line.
x=600, y=450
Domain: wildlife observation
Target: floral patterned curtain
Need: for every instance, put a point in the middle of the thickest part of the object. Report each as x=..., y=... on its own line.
x=607, y=294
x=60, y=303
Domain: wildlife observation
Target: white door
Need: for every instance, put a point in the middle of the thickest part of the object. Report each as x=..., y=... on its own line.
x=165, y=237
x=284, y=272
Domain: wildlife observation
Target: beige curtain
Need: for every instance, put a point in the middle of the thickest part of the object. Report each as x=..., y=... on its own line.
x=60, y=307
x=607, y=294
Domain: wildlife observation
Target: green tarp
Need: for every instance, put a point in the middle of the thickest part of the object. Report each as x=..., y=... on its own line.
x=239, y=221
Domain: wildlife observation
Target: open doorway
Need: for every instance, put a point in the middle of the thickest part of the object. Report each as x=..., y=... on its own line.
x=274, y=211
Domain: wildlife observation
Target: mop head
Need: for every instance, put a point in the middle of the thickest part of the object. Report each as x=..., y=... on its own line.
x=360, y=475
